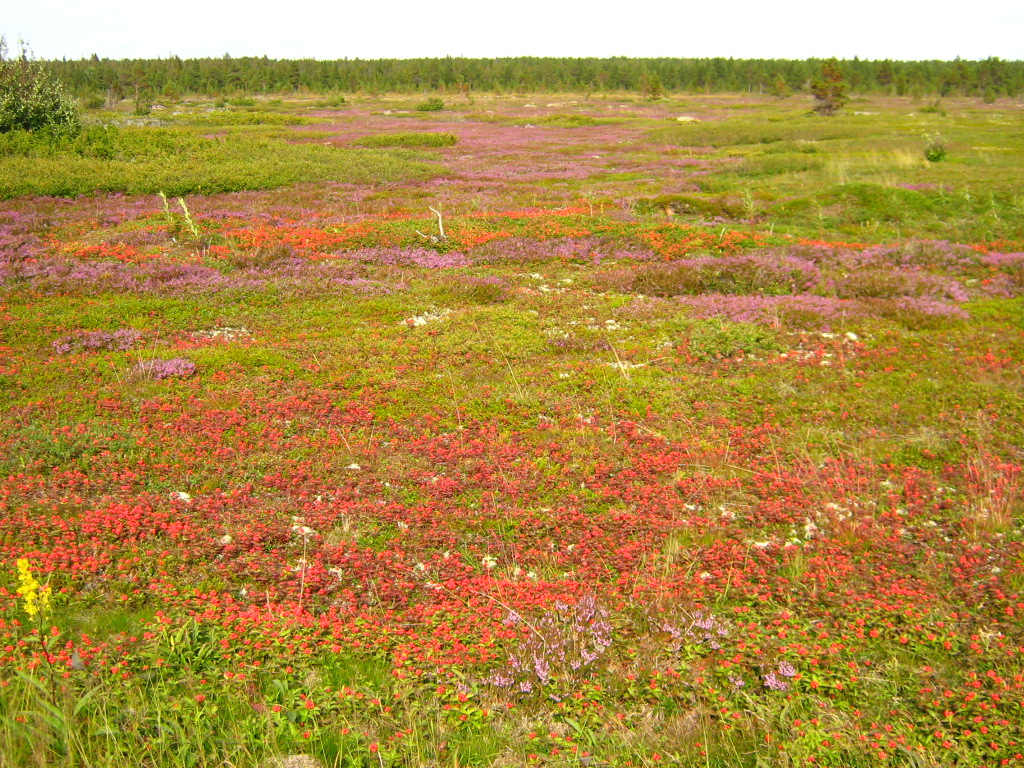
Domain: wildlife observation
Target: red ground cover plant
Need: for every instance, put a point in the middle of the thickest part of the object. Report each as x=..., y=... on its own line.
x=383, y=518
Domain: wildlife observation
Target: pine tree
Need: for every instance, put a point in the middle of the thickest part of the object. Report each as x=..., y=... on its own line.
x=829, y=89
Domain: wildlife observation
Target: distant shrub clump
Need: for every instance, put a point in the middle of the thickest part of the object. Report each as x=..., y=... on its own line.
x=935, y=149
x=31, y=98
x=433, y=104
x=332, y=101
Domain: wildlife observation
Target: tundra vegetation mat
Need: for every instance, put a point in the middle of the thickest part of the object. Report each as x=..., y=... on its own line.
x=686, y=442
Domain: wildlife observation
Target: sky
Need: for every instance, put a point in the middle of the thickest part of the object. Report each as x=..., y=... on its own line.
x=792, y=29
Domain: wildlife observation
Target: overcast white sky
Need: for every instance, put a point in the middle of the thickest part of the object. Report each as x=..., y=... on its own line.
x=796, y=29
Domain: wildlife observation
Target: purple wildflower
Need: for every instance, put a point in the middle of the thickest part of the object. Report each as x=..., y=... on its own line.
x=177, y=367
x=773, y=683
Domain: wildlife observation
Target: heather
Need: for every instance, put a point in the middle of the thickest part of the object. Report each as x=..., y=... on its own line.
x=586, y=437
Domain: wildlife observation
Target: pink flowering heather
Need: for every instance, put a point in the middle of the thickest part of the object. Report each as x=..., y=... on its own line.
x=177, y=367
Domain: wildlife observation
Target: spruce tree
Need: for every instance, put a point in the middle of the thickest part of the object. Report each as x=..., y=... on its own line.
x=829, y=89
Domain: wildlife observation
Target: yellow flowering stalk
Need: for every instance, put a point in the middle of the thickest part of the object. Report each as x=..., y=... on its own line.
x=35, y=595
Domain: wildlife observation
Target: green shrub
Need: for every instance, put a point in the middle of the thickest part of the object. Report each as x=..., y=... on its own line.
x=708, y=340
x=935, y=149
x=94, y=100
x=32, y=99
x=143, y=104
x=433, y=104
x=332, y=101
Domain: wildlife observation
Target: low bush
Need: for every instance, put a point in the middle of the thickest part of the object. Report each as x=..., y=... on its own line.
x=31, y=98
x=433, y=104
x=709, y=340
x=331, y=102
x=935, y=150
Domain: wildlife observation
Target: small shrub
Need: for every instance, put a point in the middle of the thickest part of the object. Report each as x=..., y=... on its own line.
x=93, y=101
x=709, y=340
x=143, y=105
x=935, y=149
x=433, y=104
x=32, y=99
x=101, y=141
x=332, y=101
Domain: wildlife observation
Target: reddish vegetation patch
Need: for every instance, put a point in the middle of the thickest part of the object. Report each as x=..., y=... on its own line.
x=557, y=471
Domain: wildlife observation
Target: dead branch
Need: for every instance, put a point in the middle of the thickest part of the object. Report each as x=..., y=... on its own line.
x=441, y=236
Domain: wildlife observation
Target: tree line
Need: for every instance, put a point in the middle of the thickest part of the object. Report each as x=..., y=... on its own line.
x=172, y=77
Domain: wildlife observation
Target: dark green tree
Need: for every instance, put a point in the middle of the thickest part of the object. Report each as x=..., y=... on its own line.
x=650, y=85
x=886, y=75
x=829, y=89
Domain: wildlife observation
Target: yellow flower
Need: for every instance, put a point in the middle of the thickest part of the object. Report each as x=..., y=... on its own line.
x=36, y=596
